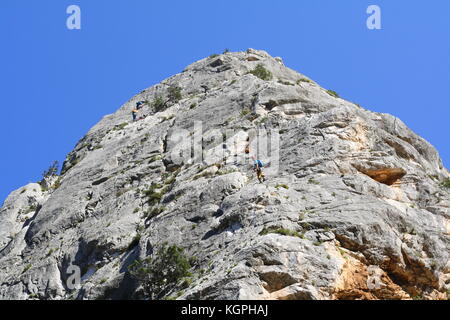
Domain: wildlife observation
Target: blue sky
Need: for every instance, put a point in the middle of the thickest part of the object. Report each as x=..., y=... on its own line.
x=57, y=83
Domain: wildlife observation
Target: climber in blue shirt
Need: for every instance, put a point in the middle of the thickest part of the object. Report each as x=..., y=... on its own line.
x=257, y=166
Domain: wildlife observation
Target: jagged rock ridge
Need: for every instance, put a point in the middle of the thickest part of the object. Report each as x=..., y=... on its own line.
x=354, y=208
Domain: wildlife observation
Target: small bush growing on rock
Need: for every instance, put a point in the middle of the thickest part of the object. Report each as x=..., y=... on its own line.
x=446, y=183
x=282, y=186
x=154, y=197
x=174, y=94
x=31, y=208
x=222, y=172
x=158, y=103
x=27, y=267
x=57, y=184
x=52, y=170
x=205, y=174
x=245, y=112
x=49, y=253
x=262, y=73
x=282, y=231
x=171, y=180
x=154, y=212
x=214, y=55
x=120, y=126
x=155, y=158
x=262, y=120
x=333, y=93
x=286, y=83
x=304, y=80
x=162, y=272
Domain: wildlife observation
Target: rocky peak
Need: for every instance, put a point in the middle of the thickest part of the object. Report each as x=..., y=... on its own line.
x=354, y=206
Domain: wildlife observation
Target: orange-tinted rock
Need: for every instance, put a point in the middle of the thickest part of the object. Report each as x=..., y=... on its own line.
x=386, y=176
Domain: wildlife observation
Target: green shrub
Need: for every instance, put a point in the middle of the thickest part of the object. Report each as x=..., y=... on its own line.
x=286, y=83
x=261, y=72
x=333, y=93
x=282, y=186
x=120, y=126
x=27, y=267
x=222, y=172
x=214, y=55
x=154, y=212
x=171, y=180
x=202, y=173
x=282, y=231
x=262, y=120
x=155, y=158
x=52, y=170
x=192, y=106
x=245, y=112
x=154, y=197
x=174, y=94
x=31, y=208
x=158, y=103
x=57, y=183
x=446, y=183
x=304, y=80
x=161, y=273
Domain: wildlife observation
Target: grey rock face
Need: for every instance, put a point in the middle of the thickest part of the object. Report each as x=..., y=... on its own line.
x=318, y=228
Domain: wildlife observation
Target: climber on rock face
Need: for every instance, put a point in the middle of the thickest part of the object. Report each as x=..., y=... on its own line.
x=139, y=105
x=257, y=166
x=134, y=113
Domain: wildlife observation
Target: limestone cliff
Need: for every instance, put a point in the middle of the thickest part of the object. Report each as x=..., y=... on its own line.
x=354, y=205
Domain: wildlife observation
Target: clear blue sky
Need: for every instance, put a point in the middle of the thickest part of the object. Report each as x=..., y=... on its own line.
x=57, y=83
